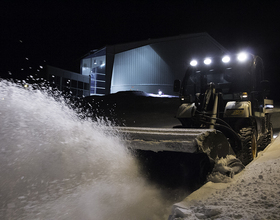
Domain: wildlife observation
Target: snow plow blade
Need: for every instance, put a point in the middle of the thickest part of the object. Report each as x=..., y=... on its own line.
x=209, y=141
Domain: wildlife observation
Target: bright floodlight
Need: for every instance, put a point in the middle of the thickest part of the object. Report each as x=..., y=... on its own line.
x=193, y=63
x=226, y=59
x=207, y=61
x=242, y=56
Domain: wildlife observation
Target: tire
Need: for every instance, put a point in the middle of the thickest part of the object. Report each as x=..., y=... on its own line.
x=269, y=134
x=268, y=137
x=249, y=145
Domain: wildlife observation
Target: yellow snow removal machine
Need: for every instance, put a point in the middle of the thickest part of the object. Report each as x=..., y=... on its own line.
x=224, y=111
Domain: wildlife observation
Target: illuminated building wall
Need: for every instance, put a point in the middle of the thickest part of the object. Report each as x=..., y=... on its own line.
x=94, y=66
x=150, y=66
x=141, y=69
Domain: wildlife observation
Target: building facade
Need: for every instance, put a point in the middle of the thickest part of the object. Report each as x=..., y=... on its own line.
x=150, y=66
x=69, y=82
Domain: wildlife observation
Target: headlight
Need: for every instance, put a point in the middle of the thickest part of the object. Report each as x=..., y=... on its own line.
x=193, y=63
x=226, y=59
x=242, y=57
x=207, y=61
x=244, y=95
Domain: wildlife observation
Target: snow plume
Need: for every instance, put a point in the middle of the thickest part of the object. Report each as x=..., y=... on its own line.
x=53, y=165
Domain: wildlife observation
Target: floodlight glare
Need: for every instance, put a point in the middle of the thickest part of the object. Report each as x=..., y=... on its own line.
x=207, y=61
x=226, y=59
x=193, y=63
x=242, y=57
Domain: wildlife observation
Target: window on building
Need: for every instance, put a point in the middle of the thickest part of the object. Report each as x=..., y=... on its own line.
x=66, y=82
x=74, y=83
x=80, y=85
x=86, y=86
x=57, y=81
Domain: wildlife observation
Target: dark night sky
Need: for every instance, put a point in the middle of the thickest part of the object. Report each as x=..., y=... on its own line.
x=61, y=32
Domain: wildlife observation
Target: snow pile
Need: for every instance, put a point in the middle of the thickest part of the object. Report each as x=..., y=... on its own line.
x=225, y=169
x=252, y=194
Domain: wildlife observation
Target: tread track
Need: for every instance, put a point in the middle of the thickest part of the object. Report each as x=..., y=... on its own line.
x=249, y=145
x=268, y=137
x=269, y=134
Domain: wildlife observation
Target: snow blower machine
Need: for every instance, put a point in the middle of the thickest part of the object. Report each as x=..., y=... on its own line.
x=224, y=111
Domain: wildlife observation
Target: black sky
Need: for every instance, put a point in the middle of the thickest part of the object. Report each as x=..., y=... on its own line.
x=61, y=32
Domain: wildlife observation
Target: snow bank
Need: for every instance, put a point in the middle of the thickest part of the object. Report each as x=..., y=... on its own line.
x=225, y=169
x=252, y=194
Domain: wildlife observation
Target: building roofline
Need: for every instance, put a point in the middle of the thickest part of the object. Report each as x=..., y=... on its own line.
x=127, y=46
x=93, y=53
x=118, y=48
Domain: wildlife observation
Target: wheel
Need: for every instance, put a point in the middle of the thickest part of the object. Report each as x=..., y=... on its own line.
x=249, y=145
x=268, y=137
x=269, y=134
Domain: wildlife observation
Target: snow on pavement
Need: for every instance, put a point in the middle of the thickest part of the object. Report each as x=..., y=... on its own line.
x=252, y=194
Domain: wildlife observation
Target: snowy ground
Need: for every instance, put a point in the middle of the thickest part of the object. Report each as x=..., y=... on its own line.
x=252, y=194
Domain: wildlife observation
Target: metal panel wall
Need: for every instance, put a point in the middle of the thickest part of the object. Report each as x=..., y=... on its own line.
x=150, y=65
x=155, y=66
x=141, y=69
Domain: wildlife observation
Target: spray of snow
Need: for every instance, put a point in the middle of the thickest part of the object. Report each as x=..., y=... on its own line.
x=53, y=165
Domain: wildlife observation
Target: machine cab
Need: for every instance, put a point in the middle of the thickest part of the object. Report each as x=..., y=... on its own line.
x=235, y=77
